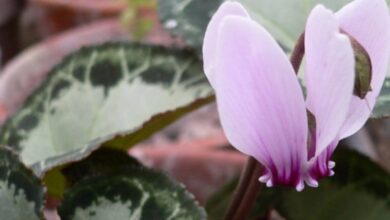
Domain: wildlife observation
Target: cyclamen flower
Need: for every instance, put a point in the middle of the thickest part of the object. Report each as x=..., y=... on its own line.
x=261, y=104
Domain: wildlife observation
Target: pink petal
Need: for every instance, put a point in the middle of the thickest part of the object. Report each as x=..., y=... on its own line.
x=260, y=102
x=210, y=40
x=329, y=75
x=368, y=21
x=321, y=165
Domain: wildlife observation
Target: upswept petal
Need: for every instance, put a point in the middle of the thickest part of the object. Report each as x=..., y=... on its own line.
x=329, y=75
x=368, y=21
x=260, y=102
x=210, y=40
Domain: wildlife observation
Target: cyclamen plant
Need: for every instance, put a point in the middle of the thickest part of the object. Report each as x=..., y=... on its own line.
x=261, y=104
x=66, y=149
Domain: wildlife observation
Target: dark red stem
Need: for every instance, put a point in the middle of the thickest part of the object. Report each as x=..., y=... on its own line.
x=246, y=192
x=298, y=52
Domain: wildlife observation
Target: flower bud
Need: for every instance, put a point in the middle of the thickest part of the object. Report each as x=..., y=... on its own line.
x=363, y=68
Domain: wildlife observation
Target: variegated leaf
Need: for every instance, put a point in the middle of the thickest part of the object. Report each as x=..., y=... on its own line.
x=94, y=161
x=21, y=193
x=113, y=94
x=136, y=193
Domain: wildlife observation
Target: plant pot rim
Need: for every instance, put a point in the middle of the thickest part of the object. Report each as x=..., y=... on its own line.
x=105, y=6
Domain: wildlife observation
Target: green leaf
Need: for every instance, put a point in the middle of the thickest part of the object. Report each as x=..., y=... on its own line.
x=21, y=193
x=332, y=202
x=96, y=162
x=187, y=19
x=360, y=189
x=116, y=93
x=382, y=107
x=284, y=19
x=132, y=193
x=101, y=161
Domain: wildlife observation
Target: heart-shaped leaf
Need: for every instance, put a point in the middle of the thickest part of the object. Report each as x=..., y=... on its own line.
x=21, y=193
x=132, y=193
x=113, y=94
